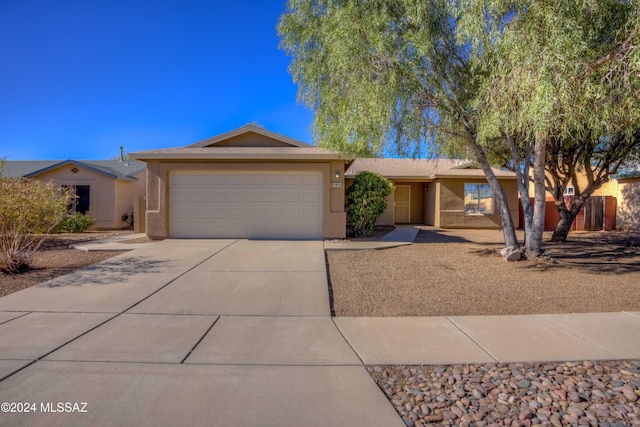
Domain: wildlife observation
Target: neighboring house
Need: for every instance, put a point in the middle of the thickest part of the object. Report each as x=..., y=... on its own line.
x=441, y=192
x=105, y=189
x=627, y=191
x=253, y=183
x=613, y=206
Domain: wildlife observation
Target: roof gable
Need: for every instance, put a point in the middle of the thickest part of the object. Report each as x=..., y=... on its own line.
x=249, y=142
x=249, y=136
x=112, y=168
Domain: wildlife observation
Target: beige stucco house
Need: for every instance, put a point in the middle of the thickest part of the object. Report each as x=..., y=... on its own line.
x=440, y=192
x=105, y=189
x=247, y=183
x=254, y=183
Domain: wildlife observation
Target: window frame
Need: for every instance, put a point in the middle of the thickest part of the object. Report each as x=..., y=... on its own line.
x=479, y=187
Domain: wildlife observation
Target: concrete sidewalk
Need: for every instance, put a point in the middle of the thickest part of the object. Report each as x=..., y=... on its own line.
x=402, y=235
x=485, y=339
x=238, y=332
x=117, y=243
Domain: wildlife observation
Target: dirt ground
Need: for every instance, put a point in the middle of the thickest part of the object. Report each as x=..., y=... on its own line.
x=55, y=259
x=445, y=272
x=457, y=272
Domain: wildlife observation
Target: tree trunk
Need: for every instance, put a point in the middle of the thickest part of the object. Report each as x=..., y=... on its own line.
x=508, y=229
x=533, y=247
x=522, y=176
x=564, y=224
x=567, y=216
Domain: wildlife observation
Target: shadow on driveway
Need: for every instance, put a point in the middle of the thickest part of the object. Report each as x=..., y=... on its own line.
x=113, y=270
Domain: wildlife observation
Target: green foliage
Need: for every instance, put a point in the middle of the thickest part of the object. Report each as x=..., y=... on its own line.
x=74, y=223
x=28, y=210
x=400, y=75
x=366, y=200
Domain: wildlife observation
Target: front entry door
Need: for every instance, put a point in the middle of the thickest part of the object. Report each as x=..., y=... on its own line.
x=402, y=210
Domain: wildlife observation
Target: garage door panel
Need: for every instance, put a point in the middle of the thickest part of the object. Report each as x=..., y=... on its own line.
x=199, y=214
x=246, y=204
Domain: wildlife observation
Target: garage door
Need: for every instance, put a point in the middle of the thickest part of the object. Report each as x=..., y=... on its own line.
x=260, y=205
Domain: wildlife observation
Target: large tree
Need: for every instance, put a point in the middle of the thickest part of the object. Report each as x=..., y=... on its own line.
x=495, y=75
x=594, y=157
x=383, y=74
x=565, y=75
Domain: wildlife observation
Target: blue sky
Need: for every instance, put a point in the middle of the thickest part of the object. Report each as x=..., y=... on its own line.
x=81, y=78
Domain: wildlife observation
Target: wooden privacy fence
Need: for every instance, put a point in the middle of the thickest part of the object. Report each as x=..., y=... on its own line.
x=598, y=213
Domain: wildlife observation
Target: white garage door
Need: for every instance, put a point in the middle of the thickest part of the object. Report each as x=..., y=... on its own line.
x=260, y=205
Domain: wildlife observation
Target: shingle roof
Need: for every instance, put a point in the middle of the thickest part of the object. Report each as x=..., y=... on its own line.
x=258, y=153
x=420, y=168
x=122, y=170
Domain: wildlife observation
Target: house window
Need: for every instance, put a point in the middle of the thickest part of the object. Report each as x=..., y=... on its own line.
x=82, y=201
x=569, y=191
x=478, y=199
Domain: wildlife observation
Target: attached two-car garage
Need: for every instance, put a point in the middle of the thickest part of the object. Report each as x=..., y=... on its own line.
x=248, y=183
x=245, y=204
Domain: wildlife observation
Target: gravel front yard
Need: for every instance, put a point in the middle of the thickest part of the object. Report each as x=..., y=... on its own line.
x=56, y=259
x=457, y=272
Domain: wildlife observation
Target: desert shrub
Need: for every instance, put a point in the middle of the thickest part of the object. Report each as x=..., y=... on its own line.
x=28, y=210
x=75, y=223
x=366, y=200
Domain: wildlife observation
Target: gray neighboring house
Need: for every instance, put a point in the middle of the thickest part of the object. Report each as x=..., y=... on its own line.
x=105, y=189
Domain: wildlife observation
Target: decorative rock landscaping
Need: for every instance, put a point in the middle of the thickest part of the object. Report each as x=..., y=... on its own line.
x=602, y=394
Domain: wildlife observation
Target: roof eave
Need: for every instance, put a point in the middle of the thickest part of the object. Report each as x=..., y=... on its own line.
x=480, y=175
x=233, y=156
x=74, y=162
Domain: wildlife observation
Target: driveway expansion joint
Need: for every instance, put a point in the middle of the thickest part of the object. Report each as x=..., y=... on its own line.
x=200, y=340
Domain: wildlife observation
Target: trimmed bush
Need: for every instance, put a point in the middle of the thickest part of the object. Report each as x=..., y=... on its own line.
x=366, y=200
x=28, y=210
x=75, y=223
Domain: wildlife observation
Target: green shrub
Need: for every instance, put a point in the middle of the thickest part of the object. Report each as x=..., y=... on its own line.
x=366, y=200
x=28, y=210
x=75, y=223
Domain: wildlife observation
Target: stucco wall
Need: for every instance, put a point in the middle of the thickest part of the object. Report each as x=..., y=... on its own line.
x=251, y=140
x=628, y=211
x=430, y=203
x=609, y=188
x=452, y=205
x=333, y=216
x=102, y=194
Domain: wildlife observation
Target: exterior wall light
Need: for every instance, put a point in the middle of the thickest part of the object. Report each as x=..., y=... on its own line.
x=337, y=174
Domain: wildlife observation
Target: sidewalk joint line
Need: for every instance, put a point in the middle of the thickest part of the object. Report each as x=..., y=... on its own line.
x=348, y=342
x=575, y=334
x=60, y=346
x=15, y=318
x=472, y=339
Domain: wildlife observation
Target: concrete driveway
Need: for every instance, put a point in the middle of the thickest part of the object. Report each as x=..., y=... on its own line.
x=186, y=332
